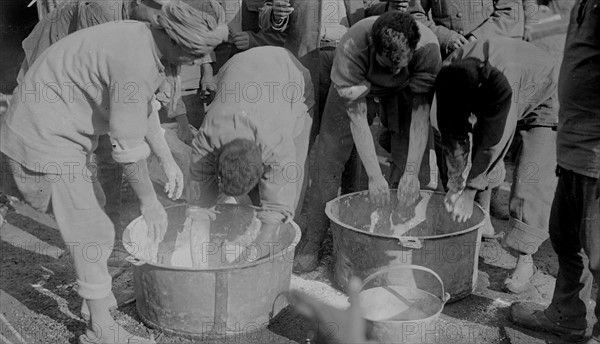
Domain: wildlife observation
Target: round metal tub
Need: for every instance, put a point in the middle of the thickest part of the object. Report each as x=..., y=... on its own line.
x=210, y=303
x=450, y=249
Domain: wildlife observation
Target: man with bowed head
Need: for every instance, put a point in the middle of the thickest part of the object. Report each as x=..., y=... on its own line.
x=256, y=142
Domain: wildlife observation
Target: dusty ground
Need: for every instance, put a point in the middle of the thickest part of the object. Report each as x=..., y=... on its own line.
x=39, y=304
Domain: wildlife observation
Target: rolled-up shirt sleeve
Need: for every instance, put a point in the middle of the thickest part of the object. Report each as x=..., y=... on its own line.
x=426, y=62
x=130, y=107
x=349, y=70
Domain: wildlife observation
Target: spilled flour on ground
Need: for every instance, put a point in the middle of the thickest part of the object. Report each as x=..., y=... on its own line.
x=320, y=291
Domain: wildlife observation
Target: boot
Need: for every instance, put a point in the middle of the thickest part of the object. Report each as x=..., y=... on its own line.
x=531, y=316
x=306, y=258
x=497, y=210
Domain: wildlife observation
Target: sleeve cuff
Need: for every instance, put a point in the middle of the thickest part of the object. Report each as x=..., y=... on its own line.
x=422, y=82
x=135, y=154
x=279, y=25
x=270, y=216
x=478, y=183
x=354, y=92
x=205, y=59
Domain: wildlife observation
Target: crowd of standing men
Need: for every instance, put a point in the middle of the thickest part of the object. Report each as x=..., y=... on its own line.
x=466, y=64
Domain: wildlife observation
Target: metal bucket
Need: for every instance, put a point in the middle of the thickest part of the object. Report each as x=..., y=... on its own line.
x=402, y=303
x=219, y=302
x=450, y=249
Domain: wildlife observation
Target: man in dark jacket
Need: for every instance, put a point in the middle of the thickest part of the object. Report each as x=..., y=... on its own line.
x=575, y=216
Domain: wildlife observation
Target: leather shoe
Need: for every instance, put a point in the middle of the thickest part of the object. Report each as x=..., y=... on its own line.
x=529, y=316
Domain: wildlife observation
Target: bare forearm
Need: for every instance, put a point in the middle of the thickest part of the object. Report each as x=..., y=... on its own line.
x=363, y=139
x=137, y=176
x=419, y=134
x=206, y=69
x=156, y=140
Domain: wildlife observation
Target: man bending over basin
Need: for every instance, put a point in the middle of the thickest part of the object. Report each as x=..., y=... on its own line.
x=254, y=139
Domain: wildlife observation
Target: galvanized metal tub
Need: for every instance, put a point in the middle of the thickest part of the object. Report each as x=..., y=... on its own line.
x=450, y=249
x=401, y=303
x=212, y=303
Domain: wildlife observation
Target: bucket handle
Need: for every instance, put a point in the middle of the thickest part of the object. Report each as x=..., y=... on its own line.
x=134, y=261
x=410, y=242
x=444, y=297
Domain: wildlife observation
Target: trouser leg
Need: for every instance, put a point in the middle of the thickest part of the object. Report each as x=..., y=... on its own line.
x=532, y=191
x=333, y=150
x=86, y=230
x=301, y=142
x=110, y=177
x=322, y=83
x=575, y=237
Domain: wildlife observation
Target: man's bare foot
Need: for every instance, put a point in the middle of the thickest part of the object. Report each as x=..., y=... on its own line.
x=110, y=333
x=520, y=279
x=111, y=303
x=488, y=232
x=102, y=328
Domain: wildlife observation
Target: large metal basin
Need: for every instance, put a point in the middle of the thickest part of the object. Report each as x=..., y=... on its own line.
x=448, y=248
x=211, y=303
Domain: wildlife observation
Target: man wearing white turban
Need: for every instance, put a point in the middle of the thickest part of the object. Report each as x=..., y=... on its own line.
x=84, y=86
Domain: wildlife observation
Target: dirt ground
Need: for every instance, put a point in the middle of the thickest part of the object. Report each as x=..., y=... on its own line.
x=39, y=304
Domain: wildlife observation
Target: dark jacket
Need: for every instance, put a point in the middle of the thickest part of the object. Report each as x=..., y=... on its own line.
x=480, y=18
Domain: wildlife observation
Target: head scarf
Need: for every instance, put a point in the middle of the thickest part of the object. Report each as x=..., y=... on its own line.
x=197, y=26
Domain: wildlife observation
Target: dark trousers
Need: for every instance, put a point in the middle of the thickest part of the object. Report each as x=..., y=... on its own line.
x=575, y=236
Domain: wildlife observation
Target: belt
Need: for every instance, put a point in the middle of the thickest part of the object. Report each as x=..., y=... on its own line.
x=329, y=43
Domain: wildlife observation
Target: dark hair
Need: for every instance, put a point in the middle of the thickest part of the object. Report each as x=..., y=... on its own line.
x=239, y=167
x=456, y=91
x=462, y=78
x=395, y=34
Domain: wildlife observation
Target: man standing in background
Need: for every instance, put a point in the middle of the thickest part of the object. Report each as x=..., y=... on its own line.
x=456, y=22
x=575, y=216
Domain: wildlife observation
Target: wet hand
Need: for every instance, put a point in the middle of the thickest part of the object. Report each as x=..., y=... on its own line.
x=449, y=200
x=174, y=185
x=379, y=191
x=156, y=219
x=462, y=208
x=409, y=190
x=281, y=10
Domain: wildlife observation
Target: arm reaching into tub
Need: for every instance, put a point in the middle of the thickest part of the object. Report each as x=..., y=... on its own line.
x=198, y=222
